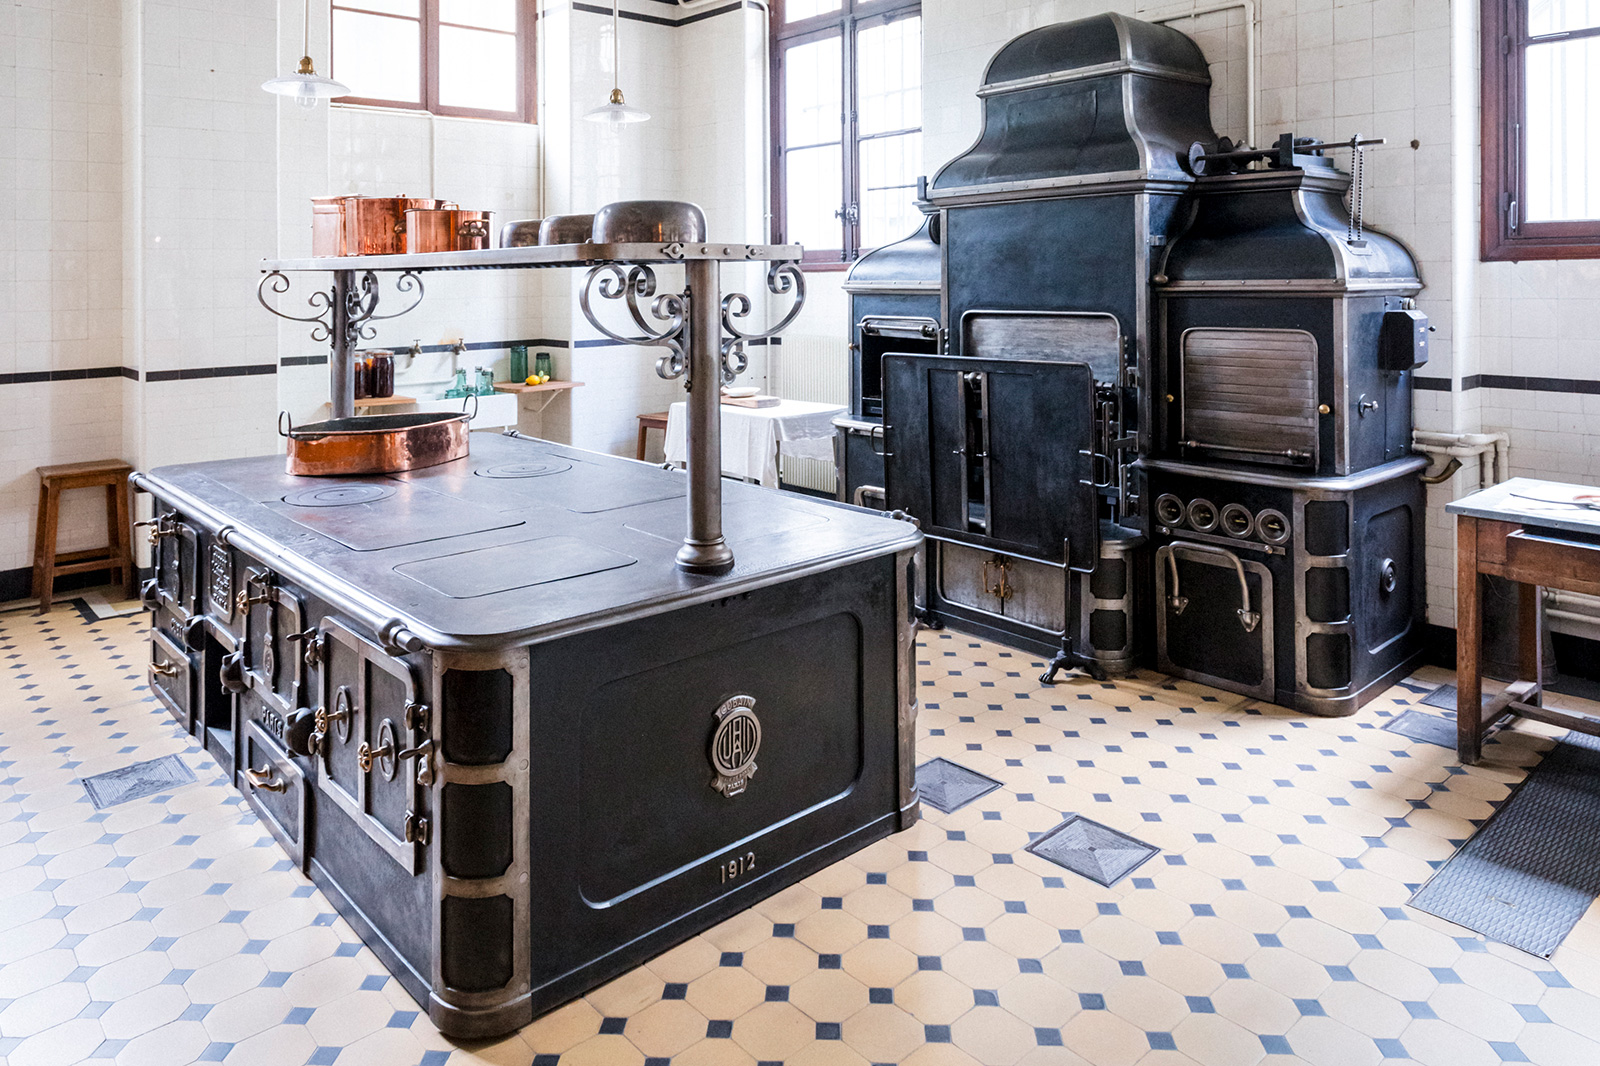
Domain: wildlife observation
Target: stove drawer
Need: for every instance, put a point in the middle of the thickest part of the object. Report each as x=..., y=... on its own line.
x=275, y=789
x=172, y=677
x=1018, y=589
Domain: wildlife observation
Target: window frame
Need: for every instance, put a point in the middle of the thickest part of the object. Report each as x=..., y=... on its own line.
x=527, y=58
x=845, y=23
x=1505, y=41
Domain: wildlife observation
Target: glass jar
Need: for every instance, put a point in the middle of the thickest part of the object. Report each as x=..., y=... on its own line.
x=380, y=373
x=361, y=367
x=519, y=364
x=485, y=385
x=541, y=364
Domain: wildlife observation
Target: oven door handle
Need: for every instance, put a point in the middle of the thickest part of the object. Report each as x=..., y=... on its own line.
x=1168, y=554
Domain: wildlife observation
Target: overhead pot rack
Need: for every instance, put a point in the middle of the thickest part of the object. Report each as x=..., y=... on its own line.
x=704, y=331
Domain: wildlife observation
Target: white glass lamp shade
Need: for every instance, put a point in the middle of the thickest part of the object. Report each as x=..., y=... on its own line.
x=617, y=111
x=306, y=86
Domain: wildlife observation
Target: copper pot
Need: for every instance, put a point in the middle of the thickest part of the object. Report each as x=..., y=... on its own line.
x=375, y=444
x=447, y=230
x=327, y=225
x=376, y=225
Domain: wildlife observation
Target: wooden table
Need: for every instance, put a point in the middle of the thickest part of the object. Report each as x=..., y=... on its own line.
x=1519, y=531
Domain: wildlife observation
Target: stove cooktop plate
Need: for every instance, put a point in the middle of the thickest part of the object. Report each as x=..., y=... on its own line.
x=403, y=514
x=741, y=520
x=340, y=495
x=530, y=468
x=518, y=565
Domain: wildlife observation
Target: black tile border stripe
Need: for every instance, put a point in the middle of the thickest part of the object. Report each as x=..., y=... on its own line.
x=1512, y=382
x=28, y=377
x=194, y=373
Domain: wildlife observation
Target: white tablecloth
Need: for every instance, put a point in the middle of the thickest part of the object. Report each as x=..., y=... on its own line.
x=751, y=436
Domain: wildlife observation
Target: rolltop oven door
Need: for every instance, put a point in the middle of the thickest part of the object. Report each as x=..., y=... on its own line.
x=994, y=453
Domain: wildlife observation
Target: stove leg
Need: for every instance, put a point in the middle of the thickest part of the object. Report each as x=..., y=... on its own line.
x=1067, y=659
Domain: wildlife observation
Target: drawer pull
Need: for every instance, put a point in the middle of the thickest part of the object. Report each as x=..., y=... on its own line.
x=263, y=779
x=165, y=669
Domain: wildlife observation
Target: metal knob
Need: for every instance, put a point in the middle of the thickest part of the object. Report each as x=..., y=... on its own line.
x=1324, y=409
x=243, y=601
x=1388, y=576
x=366, y=754
x=263, y=779
x=231, y=672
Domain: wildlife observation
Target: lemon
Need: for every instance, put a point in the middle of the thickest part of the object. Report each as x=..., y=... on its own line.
x=533, y=379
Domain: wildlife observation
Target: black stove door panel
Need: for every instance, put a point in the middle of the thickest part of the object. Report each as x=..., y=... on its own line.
x=992, y=452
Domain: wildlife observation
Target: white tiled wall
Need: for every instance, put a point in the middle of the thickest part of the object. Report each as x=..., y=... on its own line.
x=60, y=268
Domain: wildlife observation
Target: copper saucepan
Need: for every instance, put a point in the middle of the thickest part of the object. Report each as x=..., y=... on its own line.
x=375, y=444
x=447, y=230
x=376, y=225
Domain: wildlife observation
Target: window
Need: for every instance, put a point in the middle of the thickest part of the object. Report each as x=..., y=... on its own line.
x=1541, y=129
x=847, y=124
x=450, y=57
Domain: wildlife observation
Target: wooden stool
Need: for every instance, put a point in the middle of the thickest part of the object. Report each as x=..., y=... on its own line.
x=646, y=424
x=112, y=474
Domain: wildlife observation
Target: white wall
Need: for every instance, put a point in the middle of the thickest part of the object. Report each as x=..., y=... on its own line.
x=60, y=269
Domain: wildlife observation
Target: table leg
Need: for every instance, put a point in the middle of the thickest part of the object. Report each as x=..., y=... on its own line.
x=638, y=451
x=1469, y=639
x=1530, y=621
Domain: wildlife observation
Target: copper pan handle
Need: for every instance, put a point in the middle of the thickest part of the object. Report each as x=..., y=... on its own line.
x=474, y=227
x=285, y=424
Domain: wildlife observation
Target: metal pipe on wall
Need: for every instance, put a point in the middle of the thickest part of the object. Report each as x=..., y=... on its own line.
x=1249, y=8
x=704, y=551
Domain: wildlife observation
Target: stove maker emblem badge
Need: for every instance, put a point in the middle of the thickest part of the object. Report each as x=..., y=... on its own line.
x=734, y=744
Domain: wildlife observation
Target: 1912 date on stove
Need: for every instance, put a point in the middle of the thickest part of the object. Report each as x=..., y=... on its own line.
x=737, y=867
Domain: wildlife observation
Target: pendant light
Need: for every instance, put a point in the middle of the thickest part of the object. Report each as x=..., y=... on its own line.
x=305, y=85
x=617, y=111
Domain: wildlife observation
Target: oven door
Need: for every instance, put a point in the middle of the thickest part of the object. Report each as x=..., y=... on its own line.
x=372, y=747
x=994, y=453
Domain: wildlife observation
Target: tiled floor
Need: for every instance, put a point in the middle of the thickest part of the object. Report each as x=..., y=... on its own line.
x=1272, y=927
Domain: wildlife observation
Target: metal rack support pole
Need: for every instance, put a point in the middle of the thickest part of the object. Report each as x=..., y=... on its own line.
x=341, y=368
x=704, y=551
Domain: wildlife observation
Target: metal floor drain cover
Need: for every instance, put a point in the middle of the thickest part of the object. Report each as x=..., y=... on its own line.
x=339, y=495
x=1443, y=697
x=946, y=786
x=137, y=781
x=1428, y=728
x=1089, y=849
x=532, y=468
x=1533, y=869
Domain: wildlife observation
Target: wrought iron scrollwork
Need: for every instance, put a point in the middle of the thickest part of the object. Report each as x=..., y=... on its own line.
x=783, y=278
x=278, y=282
x=360, y=304
x=633, y=285
x=667, y=318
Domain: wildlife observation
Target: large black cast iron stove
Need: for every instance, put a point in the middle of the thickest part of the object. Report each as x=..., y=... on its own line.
x=518, y=747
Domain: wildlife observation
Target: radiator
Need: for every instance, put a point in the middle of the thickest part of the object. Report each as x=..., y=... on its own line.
x=810, y=367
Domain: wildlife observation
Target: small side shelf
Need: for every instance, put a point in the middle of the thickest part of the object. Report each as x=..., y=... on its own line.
x=549, y=386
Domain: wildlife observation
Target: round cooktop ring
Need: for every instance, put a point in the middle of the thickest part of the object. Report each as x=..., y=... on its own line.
x=527, y=468
x=343, y=495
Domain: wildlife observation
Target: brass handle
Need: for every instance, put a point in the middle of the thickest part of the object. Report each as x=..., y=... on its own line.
x=366, y=753
x=165, y=669
x=262, y=779
x=474, y=227
x=242, y=601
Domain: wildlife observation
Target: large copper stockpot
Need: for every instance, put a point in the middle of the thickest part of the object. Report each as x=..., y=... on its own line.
x=327, y=225
x=376, y=444
x=447, y=230
x=376, y=225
